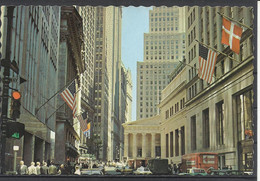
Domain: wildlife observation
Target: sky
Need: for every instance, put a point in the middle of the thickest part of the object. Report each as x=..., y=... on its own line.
x=135, y=22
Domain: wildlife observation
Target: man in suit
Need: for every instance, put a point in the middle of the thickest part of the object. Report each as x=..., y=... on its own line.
x=52, y=169
x=32, y=169
x=45, y=168
x=22, y=168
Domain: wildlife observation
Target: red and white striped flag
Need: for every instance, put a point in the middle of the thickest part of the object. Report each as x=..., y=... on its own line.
x=83, y=121
x=207, y=62
x=231, y=35
x=69, y=96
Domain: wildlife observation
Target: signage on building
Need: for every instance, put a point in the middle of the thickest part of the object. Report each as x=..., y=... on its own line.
x=209, y=159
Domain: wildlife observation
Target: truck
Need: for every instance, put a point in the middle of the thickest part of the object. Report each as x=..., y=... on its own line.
x=158, y=166
x=202, y=160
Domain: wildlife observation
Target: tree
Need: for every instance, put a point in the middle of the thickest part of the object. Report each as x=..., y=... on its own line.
x=94, y=143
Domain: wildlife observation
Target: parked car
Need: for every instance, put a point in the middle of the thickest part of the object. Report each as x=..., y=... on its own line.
x=127, y=170
x=142, y=171
x=93, y=171
x=111, y=170
x=197, y=171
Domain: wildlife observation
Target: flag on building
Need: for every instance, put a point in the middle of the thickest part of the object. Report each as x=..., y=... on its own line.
x=83, y=120
x=207, y=62
x=231, y=35
x=87, y=131
x=69, y=96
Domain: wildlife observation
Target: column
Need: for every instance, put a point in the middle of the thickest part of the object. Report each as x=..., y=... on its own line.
x=143, y=145
x=153, y=146
x=134, y=146
x=126, y=145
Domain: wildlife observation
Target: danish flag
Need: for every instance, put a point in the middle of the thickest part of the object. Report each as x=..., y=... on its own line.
x=231, y=35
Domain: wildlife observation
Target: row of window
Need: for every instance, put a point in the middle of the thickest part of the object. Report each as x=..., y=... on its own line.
x=170, y=111
x=192, y=54
x=192, y=36
x=164, y=29
x=191, y=18
x=220, y=123
x=162, y=14
x=167, y=41
x=179, y=137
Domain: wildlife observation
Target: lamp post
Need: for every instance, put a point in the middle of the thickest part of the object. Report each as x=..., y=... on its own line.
x=15, y=148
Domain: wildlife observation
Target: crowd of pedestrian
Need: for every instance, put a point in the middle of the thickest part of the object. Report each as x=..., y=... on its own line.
x=49, y=168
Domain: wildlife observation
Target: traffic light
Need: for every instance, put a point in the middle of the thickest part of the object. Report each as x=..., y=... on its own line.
x=14, y=130
x=15, y=104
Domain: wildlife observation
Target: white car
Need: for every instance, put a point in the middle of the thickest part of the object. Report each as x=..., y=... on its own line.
x=142, y=171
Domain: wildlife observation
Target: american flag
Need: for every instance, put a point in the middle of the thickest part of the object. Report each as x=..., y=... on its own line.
x=83, y=121
x=207, y=62
x=69, y=96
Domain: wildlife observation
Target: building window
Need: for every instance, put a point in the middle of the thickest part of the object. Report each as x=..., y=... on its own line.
x=220, y=122
x=167, y=145
x=171, y=144
x=176, y=142
x=244, y=115
x=193, y=132
x=205, y=124
x=167, y=114
x=182, y=140
x=157, y=151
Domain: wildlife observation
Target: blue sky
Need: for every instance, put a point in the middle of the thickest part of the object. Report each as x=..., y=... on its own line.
x=135, y=22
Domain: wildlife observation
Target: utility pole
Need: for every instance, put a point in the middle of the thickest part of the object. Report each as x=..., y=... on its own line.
x=6, y=63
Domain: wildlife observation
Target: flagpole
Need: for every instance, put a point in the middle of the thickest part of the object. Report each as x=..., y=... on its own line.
x=37, y=110
x=231, y=19
x=54, y=112
x=217, y=51
x=188, y=65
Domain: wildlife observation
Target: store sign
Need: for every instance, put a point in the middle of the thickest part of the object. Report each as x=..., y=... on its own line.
x=208, y=159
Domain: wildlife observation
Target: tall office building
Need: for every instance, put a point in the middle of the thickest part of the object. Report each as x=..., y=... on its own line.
x=107, y=75
x=164, y=47
x=87, y=14
x=34, y=47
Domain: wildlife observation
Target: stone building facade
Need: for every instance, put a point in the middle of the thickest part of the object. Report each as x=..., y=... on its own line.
x=218, y=117
x=142, y=141
x=67, y=138
x=34, y=47
x=213, y=109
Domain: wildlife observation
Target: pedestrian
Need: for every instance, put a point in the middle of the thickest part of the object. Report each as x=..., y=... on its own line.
x=52, y=169
x=77, y=172
x=32, y=169
x=62, y=170
x=175, y=168
x=38, y=168
x=22, y=168
x=44, y=169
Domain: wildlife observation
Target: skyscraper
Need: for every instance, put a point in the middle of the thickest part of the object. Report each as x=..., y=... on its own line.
x=107, y=76
x=87, y=79
x=164, y=47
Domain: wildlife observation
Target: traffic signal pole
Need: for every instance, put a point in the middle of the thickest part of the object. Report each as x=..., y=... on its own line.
x=6, y=82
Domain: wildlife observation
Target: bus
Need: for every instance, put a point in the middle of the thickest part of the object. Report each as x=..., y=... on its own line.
x=203, y=160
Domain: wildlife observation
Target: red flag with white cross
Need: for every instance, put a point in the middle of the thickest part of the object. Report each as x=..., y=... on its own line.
x=231, y=35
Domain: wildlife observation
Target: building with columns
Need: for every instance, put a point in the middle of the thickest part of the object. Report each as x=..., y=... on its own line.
x=142, y=141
